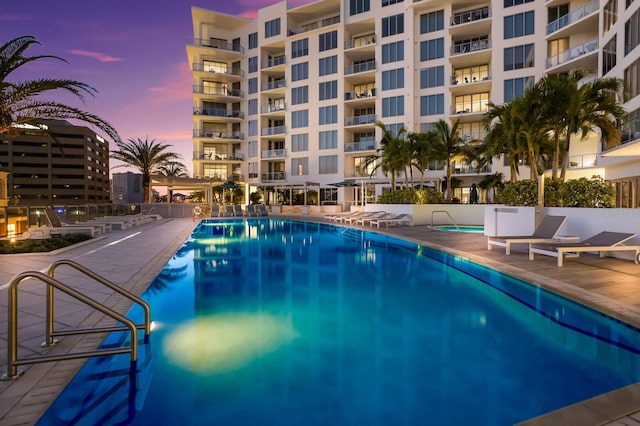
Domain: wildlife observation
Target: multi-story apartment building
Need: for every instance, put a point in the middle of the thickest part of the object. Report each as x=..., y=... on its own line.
x=126, y=188
x=55, y=163
x=293, y=95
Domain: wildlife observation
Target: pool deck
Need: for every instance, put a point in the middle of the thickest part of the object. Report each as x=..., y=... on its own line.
x=133, y=258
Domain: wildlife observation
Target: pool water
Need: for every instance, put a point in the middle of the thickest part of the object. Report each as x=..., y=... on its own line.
x=473, y=229
x=269, y=321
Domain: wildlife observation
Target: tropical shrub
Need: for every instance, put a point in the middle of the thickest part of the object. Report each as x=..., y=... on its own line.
x=411, y=196
x=582, y=192
x=519, y=193
x=44, y=245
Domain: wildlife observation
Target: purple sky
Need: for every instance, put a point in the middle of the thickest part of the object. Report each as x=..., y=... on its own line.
x=132, y=51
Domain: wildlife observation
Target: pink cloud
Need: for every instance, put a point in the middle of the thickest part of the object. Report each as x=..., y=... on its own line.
x=96, y=55
x=178, y=86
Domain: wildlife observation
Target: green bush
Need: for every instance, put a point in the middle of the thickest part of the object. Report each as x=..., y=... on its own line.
x=582, y=192
x=40, y=246
x=411, y=196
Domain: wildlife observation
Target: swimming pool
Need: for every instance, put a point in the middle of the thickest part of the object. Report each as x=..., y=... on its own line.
x=462, y=228
x=284, y=322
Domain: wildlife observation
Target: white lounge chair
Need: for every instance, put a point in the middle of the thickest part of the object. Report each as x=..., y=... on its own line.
x=368, y=218
x=602, y=243
x=544, y=233
x=399, y=219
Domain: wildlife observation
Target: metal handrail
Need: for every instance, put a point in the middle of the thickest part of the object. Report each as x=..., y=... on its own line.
x=145, y=306
x=447, y=213
x=12, y=329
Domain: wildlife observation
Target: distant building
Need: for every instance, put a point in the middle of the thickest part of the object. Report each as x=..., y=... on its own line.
x=55, y=163
x=126, y=188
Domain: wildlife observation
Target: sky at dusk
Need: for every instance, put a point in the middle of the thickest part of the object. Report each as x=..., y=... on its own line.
x=132, y=51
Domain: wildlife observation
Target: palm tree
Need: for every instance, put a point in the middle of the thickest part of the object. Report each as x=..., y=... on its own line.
x=421, y=153
x=145, y=155
x=593, y=104
x=392, y=156
x=502, y=137
x=447, y=143
x=530, y=122
x=174, y=169
x=22, y=103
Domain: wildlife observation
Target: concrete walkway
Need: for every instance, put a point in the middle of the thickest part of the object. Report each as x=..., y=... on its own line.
x=134, y=257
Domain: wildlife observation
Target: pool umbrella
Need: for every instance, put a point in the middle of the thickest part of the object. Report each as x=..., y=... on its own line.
x=473, y=198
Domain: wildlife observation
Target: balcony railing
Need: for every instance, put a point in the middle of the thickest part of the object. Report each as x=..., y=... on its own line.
x=468, y=137
x=572, y=17
x=206, y=90
x=473, y=108
x=468, y=169
x=573, y=53
x=362, y=94
x=199, y=66
x=315, y=25
x=470, y=16
x=470, y=46
x=218, y=44
x=273, y=108
x=361, y=67
x=274, y=176
x=276, y=84
x=470, y=78
x=218, y=112
x=270, y=131
x=360, y=119
x=582, y=161
x=357, y=173
x=208, y=155
x=274, y=62
x=366, y=145
x=360, y=41
x=217, y=134
x=274, y=153
x=630, y=132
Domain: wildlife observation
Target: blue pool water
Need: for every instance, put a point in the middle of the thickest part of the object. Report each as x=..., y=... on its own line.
x=269, y=321
x=473, y=229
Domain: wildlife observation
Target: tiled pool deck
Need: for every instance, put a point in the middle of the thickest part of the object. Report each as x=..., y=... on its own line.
x=132, y=258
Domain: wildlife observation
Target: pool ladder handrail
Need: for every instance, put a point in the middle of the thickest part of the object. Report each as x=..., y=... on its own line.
x=12, y=324
x=447, y=213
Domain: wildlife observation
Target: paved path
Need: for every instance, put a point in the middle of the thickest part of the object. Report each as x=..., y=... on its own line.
x=133, y=258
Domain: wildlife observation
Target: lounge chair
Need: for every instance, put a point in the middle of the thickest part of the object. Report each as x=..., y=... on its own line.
x=237, y=211
x=58, y=226
x=251, y=211
x=363, y=220
x=262, y=210
x=544, y=233
x=215, y=210
x=352, y=217
x=338, y=216
x=602, y=243
x=228, y=211
x=403, y=218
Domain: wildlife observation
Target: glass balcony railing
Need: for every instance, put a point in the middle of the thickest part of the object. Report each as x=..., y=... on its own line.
x=199, y=66
x=274, y=153
x=360, y=119
x=573, y=16
x=273, y=176
x=582, y=161
x=276, y=84
x=360, y=41
x=214, y=90
x=364, y=145
x=270, y=131
x=362, y=94
x=216, y=134
x=361, y=67
x=315, y=25
x=218, y=44
x=470, y=46
x=573, y=53
x=274, y=62
x=218, y=112
x=273, y=108
x=470, y=16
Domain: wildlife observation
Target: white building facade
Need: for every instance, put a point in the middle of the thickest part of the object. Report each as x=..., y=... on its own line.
x=292, y=96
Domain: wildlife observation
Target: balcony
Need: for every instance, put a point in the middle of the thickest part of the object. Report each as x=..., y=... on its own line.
x=362, y=41
x=470, y=46
x=266, y=109
x=468, y=169
x=363, y=94
x=473, y=108
x=583, y=161
x=357, y=173
x=361, y=67
x=271, y=131
x=209, y=155
x=363, y=145
x=218, y=112
x=470, y=16
x=360, y=120
x=218, y=44
x=217, y=134
x=315, y=25
x=219, y=91
x=199, y=66
x=573, y=53
x=274, y=62
x=274, y=177
x=274, y=153
x=573, y=17
x=272, y=85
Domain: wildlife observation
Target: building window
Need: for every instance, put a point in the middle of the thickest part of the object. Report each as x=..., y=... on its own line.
x=518, y=57
x=358, y=6
x=300, y=48
x=328, y=41
x=252, y=106
x=471, y=74
x=632, y=80
x=299, y=95
x=393, y=52
x=328, y=90
x=272, y=28
x=392, y=25
x=252, y=129
x=515, y=87
x=610, y=16
x=253, y=85
x=432, y=104
x=328, y=164
x=609, y=56
x=430, y=22
x=252, y=147
x=328, y=65
x=328, y=139
x=519, y=25
x=509, y=3
x=300, y=142
x=432, y=77
x=253, y=64
x=393, y=106
x=393, y=79
x=432, y=49
x=253, y=40
x=632, y=32
x=477, y=102
x=300, y=71
x=328, y=114
x=300, y=166
x=390, y=2
x=299, y=119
